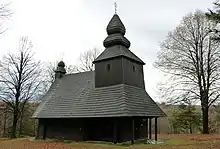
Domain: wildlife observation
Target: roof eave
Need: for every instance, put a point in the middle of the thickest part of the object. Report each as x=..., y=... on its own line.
x=98, y=60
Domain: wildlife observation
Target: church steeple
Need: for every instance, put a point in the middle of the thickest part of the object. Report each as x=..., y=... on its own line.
x=116, y=31
x=117, y=64
x=116, y=44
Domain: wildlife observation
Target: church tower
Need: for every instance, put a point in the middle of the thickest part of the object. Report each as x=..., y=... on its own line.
x=117, y=64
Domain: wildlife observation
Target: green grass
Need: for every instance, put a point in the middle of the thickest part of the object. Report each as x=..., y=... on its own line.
x=179, y=142
x=139, y=144
x=51, y=140
x=127, y=143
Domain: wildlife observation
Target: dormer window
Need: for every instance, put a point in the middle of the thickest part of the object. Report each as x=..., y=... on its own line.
x=108, y=67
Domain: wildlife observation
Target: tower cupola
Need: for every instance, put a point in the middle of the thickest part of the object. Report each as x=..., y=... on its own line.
x=117, y=64
x=60, y=71
x=116, y=31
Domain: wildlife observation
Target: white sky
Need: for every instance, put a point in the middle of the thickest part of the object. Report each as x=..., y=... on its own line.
x=62, y=29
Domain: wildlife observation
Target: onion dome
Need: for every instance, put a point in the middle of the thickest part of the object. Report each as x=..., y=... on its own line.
x=116, y=31
x=116, y=45
x=61, y=68
x=61, y=64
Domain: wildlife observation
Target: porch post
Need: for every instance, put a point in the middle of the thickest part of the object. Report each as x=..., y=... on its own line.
x=44, y=129
x=115, y=132
x=133, y=131
x=150, y=129
x=146, y=130
x=82, y=129
x=155, y=128
x=37, y=130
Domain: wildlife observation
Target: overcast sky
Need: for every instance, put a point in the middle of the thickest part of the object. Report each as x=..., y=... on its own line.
x=62, y=29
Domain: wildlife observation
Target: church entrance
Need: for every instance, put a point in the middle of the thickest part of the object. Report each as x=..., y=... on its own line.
x=99, y=129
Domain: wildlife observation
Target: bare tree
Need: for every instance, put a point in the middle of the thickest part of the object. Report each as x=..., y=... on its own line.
x=19, y=80
x=86, y=60
x=192, y=61
x=5, y=13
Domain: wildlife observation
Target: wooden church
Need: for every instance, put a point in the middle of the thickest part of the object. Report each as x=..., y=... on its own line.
x=107, y=104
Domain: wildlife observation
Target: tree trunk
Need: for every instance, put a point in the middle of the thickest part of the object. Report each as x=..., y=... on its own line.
x=5, y=120
x=205, y=118
x=14, y=126
x=190, y=126
x=190, y=129
x=20, y=129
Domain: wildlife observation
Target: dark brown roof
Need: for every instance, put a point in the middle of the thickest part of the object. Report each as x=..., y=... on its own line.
x=117, y=51
x=75, y=96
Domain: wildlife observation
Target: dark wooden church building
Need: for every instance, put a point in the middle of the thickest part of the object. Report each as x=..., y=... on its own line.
x=107, y=104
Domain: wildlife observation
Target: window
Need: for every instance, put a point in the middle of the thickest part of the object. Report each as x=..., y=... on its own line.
x=133, y=68
x=108, y=67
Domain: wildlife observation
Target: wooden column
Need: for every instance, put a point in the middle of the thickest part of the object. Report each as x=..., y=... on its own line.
x=133, y=131
x=82, y=130
x=150, y=128
x=115, y=132
x=37, y=130
x=147, y=130
x=44, y=130
x=155, y=128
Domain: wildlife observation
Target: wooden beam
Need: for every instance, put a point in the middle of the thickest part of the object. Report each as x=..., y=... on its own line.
x=147, y=130
x=133, y=131
x=37, y=130
x=82, y=130
x=115, y=133
x=44, y=130
x=150, y=128
x=155, y=128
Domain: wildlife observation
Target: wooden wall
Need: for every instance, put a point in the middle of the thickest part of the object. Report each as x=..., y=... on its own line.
x=96, y=129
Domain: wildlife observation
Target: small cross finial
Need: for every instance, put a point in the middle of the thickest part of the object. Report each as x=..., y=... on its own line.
x=115, y=4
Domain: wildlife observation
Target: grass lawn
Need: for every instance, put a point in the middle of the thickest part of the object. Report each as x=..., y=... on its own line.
x=170, y=142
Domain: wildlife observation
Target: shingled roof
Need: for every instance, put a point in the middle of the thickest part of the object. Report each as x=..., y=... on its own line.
x=74, y=96
x=115, y=43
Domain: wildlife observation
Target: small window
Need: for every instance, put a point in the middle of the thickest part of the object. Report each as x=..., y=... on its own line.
x=108, y=67
x=133, y=68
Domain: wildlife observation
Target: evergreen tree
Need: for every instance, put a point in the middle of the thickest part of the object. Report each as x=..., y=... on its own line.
x=186, y=119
